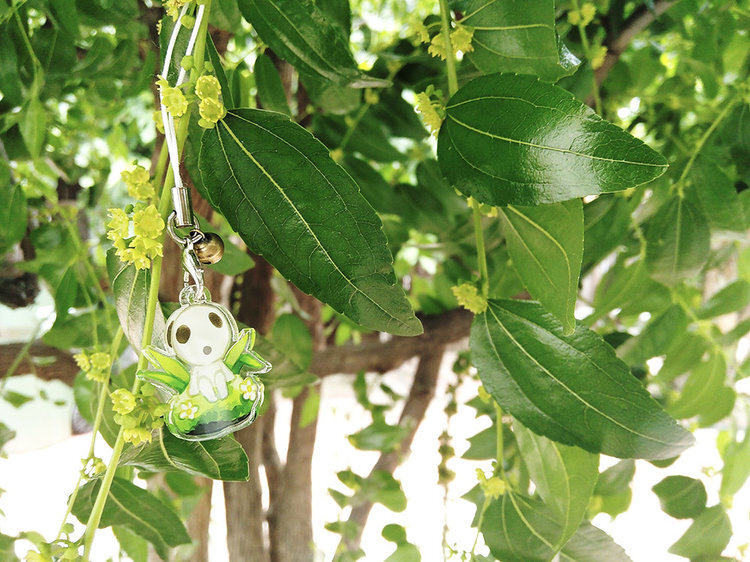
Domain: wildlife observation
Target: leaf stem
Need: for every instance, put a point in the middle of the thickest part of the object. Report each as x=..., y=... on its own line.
x=481, y=254
x=680, y=184
x=499, y=455
x=587, y=53
x=450, y=61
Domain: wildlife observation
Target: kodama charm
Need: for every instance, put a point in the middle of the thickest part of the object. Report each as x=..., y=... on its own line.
x=209, y=369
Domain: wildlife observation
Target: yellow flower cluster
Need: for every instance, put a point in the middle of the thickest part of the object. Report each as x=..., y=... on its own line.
x=92, y=466
x=138, y=414
x=173, y=7
x=138, y=183
x=431, y=111
x=146, y=242
x=468, y=296
x=584, y=16
x=598, y=59
x=211, y=109
x=493, y=487
x=172, y=98
x=460, y=41
x=96, y=365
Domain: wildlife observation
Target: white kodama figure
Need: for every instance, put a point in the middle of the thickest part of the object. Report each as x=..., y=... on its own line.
x=200, y=335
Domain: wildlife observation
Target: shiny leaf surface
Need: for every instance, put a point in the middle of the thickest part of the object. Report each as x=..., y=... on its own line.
x=546, y=246
x=290, y=202
x=301, y=34
x=511, y=139
x=220, y=459
x=572, y=389
x=517, y=36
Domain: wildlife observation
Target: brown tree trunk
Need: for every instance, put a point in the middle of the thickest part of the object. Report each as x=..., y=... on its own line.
x=197, y=524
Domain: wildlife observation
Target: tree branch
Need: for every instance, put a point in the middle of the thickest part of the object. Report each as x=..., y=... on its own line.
x=635, y=24
x=45, y=361
x=440, y=330
x=420, y=396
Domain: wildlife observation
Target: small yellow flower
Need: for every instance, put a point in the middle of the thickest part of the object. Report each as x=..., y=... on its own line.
x=461, y=39
x=123, y=401
x=119, y=225
x=172, y=98
x=437, y=47
x=136, y=176
x=248, y=389
x=371, y=97
x=156, y=116
x=82, y=361
x=468, y=296
x=140, y=261
x=484, y=396
x=148, y=222
x=188, y=410
x=136, y=435
x=143, y=246
x=583, y=17
x=208, y=87
x=211, y=111
x=493, y=487
x=173, y=8
x=598, y=59
x=422, y=33
x=101, y=361
x=429, y=111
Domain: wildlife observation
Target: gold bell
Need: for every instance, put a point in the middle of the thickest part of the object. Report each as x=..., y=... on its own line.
x=209, y=249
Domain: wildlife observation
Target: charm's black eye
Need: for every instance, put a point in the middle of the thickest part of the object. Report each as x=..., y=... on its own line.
x=215, y=319
x=169, y=335
x=183, y=334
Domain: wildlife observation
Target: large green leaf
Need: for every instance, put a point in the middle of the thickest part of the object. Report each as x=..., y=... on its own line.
x=656, y=338
x=736, y=469
x=677, y=242
x=130, y=287
x=546, y=245
x=299, y=32
x=137, y=509
x=220, y=459
x=290, y=202
x=517, y=36
x=717, y=197
x=564, y=476
x=706, y=537
x=519, y=529
x=572, y=389
x=511, y=139
x=681, y=497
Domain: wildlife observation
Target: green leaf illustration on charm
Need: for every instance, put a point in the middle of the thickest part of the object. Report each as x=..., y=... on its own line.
x=517, y=36
x=512, y=140
x=301, y=34
x=290, y=202
x=572, y=389
x=546, y=246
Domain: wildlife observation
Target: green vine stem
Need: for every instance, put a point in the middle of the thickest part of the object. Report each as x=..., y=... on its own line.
x=588, y=54
x=153, y=294
x=450, y=62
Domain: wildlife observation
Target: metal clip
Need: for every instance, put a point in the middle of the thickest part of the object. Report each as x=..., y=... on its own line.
x=183, y=212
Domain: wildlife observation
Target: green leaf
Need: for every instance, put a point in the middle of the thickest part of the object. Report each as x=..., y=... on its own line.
x=86, y=396
x=721, y=406
x=134, y=546
x=130, y=287
x=510, y=139
x=10, y=80
x=33, y=126
x=136, y=508
x=681, y=497
x=517, y=36
x=736, y=466
x=683, y=355
x=717, y=197
x=220, y=459
x=270, y=88
x=564, y=476
x=285, y=372
x=656, y=337
x=546, y=246
x=12, y=211
x=379, y=436
x=330, y=97
x=310, y=408
x=572, y=389
x=706, y=537
x=379, y=487
x=302, y=35
x=731, y=298
x=616, y=479
x=677, y=242
x=289, y=201
x=618, y=288
x=7, y=548
x=705, y=381
x=226, y=91
x=518, y=529
x=290, y=333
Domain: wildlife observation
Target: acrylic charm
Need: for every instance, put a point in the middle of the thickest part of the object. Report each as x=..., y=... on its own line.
x=209, y=368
